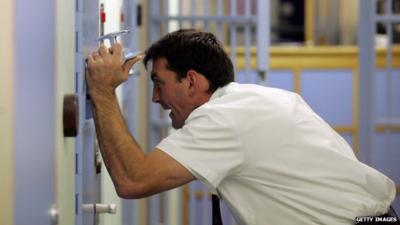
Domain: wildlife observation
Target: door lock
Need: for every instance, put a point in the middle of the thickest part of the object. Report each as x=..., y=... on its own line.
x=70, y=115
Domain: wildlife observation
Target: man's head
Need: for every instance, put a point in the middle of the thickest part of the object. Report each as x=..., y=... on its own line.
x=189, y=49
x=187, y=67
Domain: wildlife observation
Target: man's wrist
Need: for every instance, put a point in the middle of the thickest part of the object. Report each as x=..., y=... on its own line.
x=100, y=94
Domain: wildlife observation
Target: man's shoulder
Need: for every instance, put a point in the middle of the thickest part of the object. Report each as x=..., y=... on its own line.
x=246, y=96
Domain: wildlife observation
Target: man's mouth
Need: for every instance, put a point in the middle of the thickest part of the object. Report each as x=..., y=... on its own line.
x=165, y=107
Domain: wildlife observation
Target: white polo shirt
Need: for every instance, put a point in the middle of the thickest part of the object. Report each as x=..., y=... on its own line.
x=272, y=160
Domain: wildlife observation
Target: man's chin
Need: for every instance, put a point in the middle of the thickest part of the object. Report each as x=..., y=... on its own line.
x=176, y=125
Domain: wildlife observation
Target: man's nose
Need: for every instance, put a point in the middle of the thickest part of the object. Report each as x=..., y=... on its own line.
x=156, y=95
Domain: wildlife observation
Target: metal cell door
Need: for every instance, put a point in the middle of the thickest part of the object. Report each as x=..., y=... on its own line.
x=242, y=26
x=379, y=33
x=87, y=185
x=88, y=197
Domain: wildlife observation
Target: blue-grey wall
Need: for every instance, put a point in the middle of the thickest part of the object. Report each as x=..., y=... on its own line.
x=34, y=111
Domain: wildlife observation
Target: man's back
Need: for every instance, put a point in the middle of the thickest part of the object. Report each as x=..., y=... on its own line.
x=274, y=161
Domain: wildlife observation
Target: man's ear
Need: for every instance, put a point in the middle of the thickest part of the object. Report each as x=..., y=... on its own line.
x=197, y=82
x=192, y=78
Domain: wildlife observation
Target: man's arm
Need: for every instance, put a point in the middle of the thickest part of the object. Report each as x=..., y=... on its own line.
x=134, y=174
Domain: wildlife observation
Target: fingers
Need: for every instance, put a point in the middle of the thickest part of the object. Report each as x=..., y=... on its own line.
x=134, y=59
x=130, y=62
x=96, y=55
x=103, y=50
x=89, y=59
x=116, y=49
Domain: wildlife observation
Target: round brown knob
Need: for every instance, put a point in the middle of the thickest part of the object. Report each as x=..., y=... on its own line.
x=70, y=115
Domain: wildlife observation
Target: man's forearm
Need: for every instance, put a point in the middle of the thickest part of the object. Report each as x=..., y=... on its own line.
x=134, y=174
x=122, y=155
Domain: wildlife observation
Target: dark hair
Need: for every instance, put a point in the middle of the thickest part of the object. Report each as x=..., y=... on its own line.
x=188, y=49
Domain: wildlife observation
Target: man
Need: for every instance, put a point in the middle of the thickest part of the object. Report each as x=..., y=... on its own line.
x=267, y=155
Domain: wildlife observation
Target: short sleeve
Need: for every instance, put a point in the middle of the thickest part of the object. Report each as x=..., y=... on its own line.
x=207, y=145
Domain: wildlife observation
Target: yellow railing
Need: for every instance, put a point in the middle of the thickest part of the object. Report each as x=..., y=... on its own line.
x=300, y=58
x=316, y=57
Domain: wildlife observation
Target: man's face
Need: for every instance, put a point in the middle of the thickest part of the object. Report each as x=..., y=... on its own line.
x=171, y=93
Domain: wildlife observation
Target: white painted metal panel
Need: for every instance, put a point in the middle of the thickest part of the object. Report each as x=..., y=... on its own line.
x=86, y=33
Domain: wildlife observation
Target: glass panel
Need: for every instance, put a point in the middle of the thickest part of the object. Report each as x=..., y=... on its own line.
x=395, y=60
x=396, y=33
x=317, y=22
x=381, y=39
x=381, y=6
x=396, y=7
x=287, y=22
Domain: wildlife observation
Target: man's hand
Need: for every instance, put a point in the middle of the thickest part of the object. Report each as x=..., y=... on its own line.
x=106, y=69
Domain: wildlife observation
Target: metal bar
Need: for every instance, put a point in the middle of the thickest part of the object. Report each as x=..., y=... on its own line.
x=206, y=14
x=128, y=207
x=154, y=210
x=219, y=24
x=218, y=18
x=154, y=33
x=154, y=28
x=192, y=11
x=366, y=33
x=80, y=91
x=389, y=7
x=132, y=10
x=392, y=121
x=297, y=80
x=388, y=72
x=263, y=37
x=247, y=40
x=233, y=33
x=185, y=204
x=180, y=13
x=205, y=205
x=165, y=23
x=173, y=9
x=192, y=204
x=309, y=22
x=356, y=109
x=388, y=18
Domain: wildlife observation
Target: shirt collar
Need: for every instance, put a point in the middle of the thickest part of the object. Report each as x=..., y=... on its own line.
x=220, y=91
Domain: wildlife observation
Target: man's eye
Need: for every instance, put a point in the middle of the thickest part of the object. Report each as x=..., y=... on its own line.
x=157, y=83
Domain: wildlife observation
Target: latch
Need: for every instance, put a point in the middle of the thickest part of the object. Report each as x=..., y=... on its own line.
x=112, y=38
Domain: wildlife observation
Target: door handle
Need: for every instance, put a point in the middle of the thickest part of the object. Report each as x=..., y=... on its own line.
x=127, y=53
x=99, y=208
x=112, y=38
